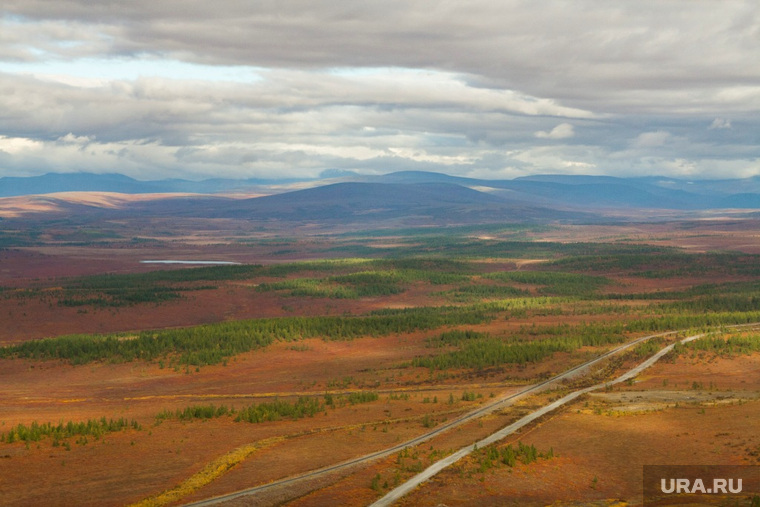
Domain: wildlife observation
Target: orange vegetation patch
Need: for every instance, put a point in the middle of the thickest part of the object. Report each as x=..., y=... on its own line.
x=600, y=451
x=600, y=457
x=161, y=458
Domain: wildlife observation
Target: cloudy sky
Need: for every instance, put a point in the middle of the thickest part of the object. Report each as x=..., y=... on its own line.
x=292, y=88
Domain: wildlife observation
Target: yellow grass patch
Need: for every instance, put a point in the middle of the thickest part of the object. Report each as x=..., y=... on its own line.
x=209, y=473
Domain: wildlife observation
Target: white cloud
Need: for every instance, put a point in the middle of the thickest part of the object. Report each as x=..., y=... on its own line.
x=651, y=139
x=72, y=139
x=720, y=123
x=561, y=131
x=424, y=156
x=585, y=166
x=17, y=145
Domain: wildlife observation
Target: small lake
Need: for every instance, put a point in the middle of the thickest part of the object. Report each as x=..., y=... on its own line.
x=171, y=261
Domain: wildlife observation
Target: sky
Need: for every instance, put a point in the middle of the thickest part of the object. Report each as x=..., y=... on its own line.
x=493, y=89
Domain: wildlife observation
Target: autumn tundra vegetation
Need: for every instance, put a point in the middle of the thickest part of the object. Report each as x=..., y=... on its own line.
x=197, y=382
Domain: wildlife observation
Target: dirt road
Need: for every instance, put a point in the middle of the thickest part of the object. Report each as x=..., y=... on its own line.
x=474, y=414
x=433, y=469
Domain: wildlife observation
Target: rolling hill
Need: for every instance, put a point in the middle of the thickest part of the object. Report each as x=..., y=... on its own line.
x=401, y=198
x=356, y=202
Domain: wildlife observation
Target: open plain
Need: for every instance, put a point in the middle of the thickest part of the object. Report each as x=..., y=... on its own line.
x=131, y=383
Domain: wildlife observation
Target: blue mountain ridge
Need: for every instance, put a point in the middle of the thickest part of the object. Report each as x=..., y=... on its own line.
x=574, y=191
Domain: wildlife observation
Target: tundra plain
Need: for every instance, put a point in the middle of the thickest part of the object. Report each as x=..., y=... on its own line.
x=129, y=383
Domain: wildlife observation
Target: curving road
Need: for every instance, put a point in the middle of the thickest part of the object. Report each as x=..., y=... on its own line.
x=474, y=414
x=436, y=467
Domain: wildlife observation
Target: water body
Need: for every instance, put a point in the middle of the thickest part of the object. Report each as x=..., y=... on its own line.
x=171, y=261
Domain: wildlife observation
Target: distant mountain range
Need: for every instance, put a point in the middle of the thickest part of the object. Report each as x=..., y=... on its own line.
x=545, y=190
x=398, y=198
x=605, y=191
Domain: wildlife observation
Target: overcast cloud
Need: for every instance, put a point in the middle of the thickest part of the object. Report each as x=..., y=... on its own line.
x=485, y=88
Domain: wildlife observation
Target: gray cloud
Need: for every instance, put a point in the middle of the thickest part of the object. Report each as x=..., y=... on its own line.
x=619, y=45
x=480, y=87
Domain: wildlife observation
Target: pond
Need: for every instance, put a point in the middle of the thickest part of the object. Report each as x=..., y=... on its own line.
x=172, y=261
